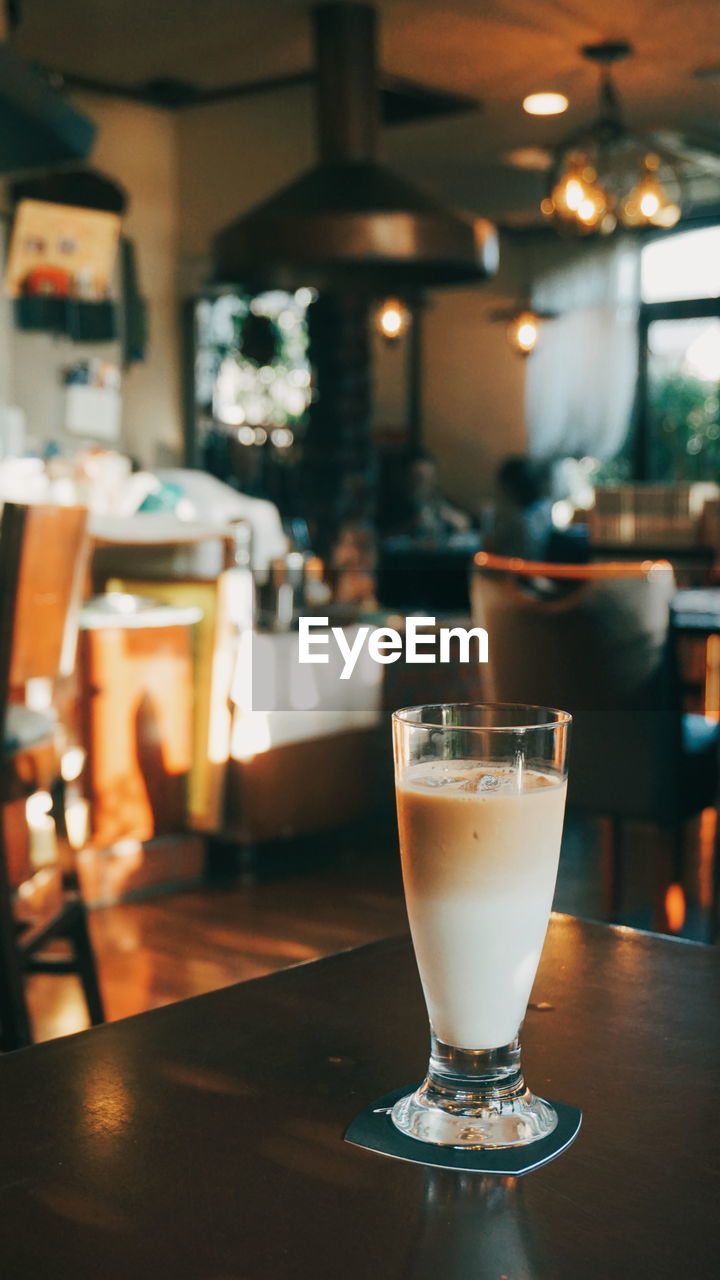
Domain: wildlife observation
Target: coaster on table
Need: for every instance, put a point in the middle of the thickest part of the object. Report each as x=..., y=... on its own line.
x=374, y=1130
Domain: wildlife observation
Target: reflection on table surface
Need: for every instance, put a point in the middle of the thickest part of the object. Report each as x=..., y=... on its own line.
x=475, y=1227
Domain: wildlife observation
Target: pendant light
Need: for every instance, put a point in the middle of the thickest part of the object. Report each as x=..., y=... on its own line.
x=605, y=176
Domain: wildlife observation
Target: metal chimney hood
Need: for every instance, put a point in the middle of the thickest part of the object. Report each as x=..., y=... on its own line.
x=350, y=221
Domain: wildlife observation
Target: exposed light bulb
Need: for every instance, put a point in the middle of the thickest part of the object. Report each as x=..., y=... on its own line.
x=391, y=322
x=527, y=336
x=574, y=194
x=667, y=216
x=649, y=204
x=523, y=332
x=578, y=200
x=392, y=318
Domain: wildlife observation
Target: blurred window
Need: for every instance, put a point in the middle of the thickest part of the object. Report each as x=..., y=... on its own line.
x=678, y=435
x=253, y=385
x=686, y=265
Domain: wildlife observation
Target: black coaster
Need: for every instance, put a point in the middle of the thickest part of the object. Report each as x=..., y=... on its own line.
x=374, y=1130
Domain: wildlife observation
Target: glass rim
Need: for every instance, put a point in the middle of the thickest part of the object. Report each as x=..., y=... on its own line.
x=559, y=720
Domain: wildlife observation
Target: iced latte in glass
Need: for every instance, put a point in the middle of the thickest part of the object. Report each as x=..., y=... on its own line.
x=480, y=797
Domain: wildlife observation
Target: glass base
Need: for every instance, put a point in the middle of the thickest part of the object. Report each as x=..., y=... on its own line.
x=474, y=1099
x=509, y=1122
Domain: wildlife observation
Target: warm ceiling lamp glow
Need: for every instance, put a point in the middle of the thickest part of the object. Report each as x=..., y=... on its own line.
x=578, y=199
x=649, y=202
x=392, y=318
x=545, y=104
x=574, y=194
x=605, y=176
x=523, y=332
x=587, y=210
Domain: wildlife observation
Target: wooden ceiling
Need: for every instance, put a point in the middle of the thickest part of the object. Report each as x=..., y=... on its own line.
x=493, y=50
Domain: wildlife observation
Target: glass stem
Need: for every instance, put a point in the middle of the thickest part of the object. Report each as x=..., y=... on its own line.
x=468, y=1074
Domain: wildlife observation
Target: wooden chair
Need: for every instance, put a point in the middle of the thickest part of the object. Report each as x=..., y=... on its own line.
x=595, y=641
x=42, y=568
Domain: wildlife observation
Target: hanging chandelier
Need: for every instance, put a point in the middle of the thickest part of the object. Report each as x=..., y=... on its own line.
x=605, y=176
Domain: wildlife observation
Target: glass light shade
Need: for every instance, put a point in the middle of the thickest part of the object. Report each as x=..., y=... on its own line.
x=648, y=203
x=617, y=182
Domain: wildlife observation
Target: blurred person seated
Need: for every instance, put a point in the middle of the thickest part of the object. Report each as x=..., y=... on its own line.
x=428, y=516
x=522, y=521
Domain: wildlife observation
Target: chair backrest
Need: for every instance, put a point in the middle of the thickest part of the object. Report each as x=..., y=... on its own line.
x=42, y=567
x=43, y=560
x=592, y=640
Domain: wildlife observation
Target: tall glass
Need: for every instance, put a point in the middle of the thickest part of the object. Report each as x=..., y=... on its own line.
x=481, y=798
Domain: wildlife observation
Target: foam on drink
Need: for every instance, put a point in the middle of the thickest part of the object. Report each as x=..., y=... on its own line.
x=480, y=846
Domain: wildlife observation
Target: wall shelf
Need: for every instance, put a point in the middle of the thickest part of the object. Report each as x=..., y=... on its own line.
x=80, y=321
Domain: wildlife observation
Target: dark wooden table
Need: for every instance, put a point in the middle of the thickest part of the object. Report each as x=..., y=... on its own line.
x=204, y=1140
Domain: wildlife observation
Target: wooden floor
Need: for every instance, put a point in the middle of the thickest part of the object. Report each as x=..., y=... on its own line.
x=319, y=898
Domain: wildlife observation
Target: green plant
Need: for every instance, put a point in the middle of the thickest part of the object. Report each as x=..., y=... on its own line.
x=685, y=428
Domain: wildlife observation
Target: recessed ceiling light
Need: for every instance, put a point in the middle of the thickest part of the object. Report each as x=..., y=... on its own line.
x=545, y=104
